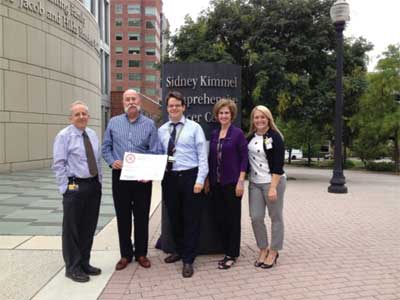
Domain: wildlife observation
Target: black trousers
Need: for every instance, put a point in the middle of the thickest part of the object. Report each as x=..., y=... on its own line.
x=228, y=217
x=132, y=198
x=184, y=211
x=81, y=212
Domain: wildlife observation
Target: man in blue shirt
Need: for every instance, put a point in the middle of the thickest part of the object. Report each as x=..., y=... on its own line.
x=77, y=167
x=185, y=143
x=130, y=132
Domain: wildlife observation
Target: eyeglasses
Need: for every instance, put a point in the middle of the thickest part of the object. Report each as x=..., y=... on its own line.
x=175, y=106
x=80, y=114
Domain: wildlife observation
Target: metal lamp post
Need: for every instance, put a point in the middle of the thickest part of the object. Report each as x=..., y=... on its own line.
x=340, y=13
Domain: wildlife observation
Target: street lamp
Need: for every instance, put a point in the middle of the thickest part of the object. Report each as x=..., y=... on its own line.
x=340, y=13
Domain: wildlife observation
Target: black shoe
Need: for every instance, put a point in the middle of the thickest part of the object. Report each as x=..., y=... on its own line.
x=259, y=263
x=187, y=270
x=267, y=266
x=226, y=263
x=90, y=270
x=223, y=260
x=172, y=258
x=77, y=276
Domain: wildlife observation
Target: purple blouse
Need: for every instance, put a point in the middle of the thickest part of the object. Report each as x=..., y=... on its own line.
x=234, y=156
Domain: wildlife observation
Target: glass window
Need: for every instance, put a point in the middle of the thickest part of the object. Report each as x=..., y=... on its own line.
x=119, y=76
x=106, y=73
x=119, y=49
x=150, y=51
x=134, y=22
x=134, y=50
x=118, y=22
x=151, y=65
x=134, y=63
x=150, y=38
x=87, y=4
x=118, y=63
x=135, y=76
x=119, y=88
x=133, y=36
x=151, y=24
x=150, y=77
x=118, y=8
x=118, y=36
x=151, y=91
x=106, y=22
x=150, y=11
x=136, y=88
x=133, y=8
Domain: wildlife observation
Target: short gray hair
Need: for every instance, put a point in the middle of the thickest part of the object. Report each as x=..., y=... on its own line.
x=78, y=102
x=130, y=90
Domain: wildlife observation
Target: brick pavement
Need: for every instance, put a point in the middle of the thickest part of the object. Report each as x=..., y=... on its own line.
x=336, y=247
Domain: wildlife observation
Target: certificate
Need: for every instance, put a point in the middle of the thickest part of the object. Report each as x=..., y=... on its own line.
x=137, y=166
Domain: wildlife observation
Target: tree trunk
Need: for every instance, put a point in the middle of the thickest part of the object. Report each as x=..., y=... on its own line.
x=290, y=156
x=309, y=154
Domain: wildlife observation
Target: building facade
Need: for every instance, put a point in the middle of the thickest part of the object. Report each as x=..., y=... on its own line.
x=135, y=46
x=52, y=52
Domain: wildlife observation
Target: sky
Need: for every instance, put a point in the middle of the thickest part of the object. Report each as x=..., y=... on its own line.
x=377, y=21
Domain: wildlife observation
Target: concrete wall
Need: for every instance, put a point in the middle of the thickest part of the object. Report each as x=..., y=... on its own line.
x=49, y=57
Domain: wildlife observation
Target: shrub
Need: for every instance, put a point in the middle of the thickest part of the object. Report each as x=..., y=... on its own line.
x=380, y=166
x=330, y=164
x=349, y=164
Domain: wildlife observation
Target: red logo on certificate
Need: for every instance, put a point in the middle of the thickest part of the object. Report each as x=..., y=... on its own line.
x=130, y=158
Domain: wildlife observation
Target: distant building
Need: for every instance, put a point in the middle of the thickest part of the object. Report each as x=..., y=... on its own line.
x=136, y=46
x=164, y=36
x=150, y=108
x=51, y=53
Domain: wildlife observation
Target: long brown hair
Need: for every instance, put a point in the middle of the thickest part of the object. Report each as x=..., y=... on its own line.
x=264, y=110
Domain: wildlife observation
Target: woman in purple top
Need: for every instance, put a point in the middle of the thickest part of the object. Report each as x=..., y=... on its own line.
x=228, y=160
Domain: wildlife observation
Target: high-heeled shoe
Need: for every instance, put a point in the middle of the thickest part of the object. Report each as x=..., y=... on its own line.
x=267, y=266
x=258, y=263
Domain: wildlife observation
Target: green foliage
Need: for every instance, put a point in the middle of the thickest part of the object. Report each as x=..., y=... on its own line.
x=378, y=121
x=286, y=49
x=327, y=164
x=380, y=166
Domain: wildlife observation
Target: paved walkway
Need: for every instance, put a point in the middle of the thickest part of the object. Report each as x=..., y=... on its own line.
x=336, y=247
x=30, y=204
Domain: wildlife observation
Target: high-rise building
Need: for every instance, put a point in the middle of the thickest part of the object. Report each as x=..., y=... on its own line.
x=135, y=46
x=164, y=36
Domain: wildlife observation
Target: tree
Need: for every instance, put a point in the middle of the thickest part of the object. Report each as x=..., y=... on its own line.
x=378, y=121
x=286, y=51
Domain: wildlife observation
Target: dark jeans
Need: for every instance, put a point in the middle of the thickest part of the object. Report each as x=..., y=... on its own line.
x=229, y=211
x=132, y=198
x=184, y=211
x=81, y=212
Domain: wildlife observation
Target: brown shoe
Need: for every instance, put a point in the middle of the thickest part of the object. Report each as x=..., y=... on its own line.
x=143, y=261
x=122, y=263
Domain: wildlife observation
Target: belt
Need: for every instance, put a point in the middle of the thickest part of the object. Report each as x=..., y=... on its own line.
x=76, y=179
x=183, y=172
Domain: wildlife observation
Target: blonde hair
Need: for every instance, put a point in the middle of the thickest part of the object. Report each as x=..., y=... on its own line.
x=224, y=102
x=264, y=110
x=78, y=102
